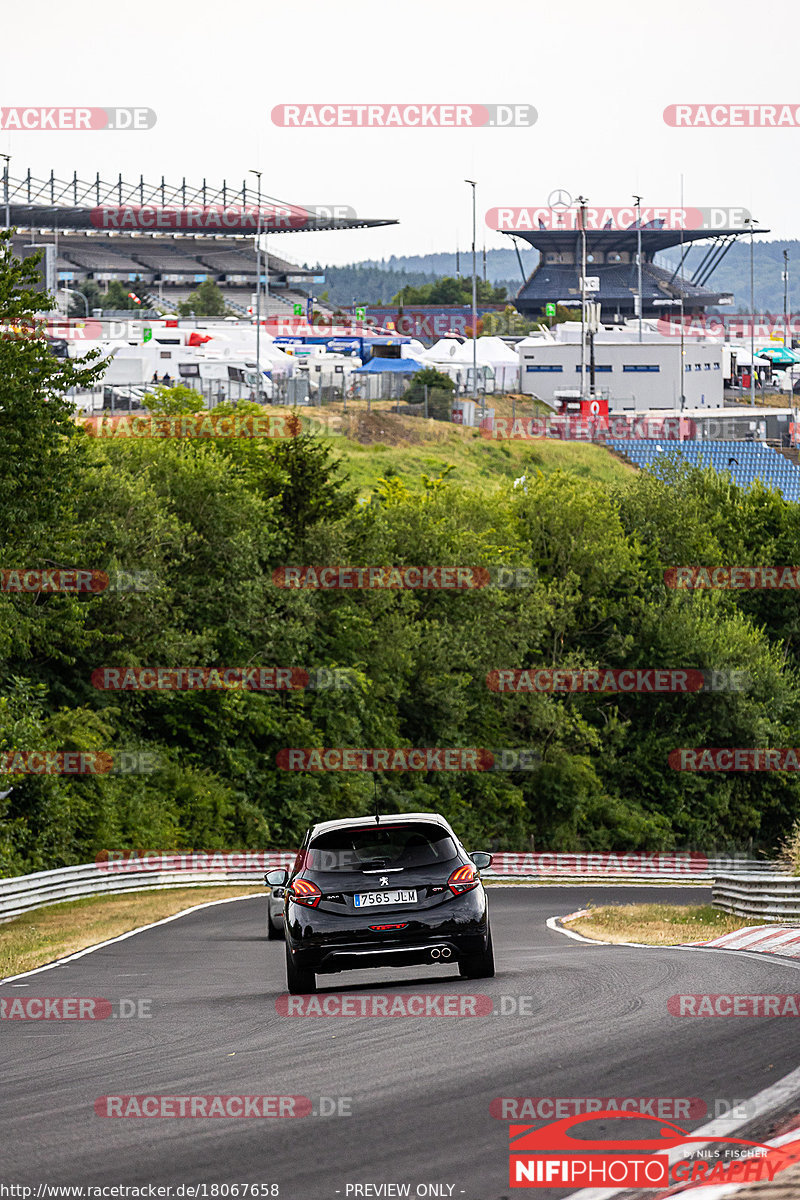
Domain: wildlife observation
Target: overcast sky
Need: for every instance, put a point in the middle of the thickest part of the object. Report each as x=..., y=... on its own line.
x=599, y=76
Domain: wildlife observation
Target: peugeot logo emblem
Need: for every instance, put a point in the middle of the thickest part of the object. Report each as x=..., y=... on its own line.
x=384, y=880
x=559, y=199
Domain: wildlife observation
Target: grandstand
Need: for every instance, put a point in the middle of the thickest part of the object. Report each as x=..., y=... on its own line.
x=168, y=269
x=611, y=259
x=746, y=461
x=167, y=238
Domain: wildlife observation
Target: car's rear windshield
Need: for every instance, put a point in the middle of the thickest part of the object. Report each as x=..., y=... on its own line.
x=376, y=847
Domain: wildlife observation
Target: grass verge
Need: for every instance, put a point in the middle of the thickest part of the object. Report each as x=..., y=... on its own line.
x=41, y=936
x=658, y=924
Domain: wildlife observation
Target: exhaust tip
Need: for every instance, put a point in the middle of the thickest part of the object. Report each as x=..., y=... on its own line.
x=435, y=952
x=446, y=952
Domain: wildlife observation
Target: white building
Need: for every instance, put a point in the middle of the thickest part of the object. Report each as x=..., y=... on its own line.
x=633, y=375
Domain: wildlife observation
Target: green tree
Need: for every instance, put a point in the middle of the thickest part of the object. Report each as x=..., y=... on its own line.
x=117, y=298
x=439, y=387
x=93, y=294
x=40, y=458
x=449, y=290
x=205, y=301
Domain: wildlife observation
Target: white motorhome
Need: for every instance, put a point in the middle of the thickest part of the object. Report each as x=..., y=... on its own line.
x=330, y=370
x=144, y=365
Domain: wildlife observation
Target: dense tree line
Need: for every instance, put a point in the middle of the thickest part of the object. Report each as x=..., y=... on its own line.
x=450, y=290
x=206, y=523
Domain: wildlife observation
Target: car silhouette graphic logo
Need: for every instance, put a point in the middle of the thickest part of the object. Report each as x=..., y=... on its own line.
x=556, y=1136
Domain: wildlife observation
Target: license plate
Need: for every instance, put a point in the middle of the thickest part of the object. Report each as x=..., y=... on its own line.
x=365, y=899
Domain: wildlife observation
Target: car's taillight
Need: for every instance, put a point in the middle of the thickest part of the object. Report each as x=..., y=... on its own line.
x=303, y=891
x=463, y=879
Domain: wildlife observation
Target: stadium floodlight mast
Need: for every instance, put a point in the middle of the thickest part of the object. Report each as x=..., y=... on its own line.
x=683, y=348
x=7, y=157
x=751, y=221
x=638, y=202
x=785, y=299
x=581, y=201
x=471, y=182
x=258, y=285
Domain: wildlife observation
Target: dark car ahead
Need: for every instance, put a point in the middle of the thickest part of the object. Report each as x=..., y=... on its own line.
x=399, y=890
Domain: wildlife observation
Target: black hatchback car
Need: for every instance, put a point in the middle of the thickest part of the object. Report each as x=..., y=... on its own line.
x=375, y=892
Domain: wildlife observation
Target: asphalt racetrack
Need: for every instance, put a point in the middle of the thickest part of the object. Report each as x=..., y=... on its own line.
x=414, y=1092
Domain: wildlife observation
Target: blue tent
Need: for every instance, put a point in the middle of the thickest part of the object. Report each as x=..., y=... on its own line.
x=399, y=366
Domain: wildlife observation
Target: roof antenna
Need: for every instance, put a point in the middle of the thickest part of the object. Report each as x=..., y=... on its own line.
x=377, y=801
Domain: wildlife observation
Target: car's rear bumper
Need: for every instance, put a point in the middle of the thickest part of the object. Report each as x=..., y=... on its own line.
x=324, y=942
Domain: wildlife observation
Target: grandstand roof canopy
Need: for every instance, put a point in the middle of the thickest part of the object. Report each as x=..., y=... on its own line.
x=610, y=240
x=124, y=206
x=197, y=220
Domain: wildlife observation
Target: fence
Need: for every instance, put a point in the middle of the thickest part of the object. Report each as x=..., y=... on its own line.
x=771, y=897
x=297, y=391
x=24, y=893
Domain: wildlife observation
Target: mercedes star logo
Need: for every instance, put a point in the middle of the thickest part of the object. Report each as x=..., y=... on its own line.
x=559, y=199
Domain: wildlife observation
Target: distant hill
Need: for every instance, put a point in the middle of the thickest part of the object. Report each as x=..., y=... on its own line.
x=376, y=281
x=733, y=273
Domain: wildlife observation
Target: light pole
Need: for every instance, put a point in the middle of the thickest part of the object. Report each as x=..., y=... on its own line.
x=751, y=222
x=582, y=202
x=73, y=292
x=258, y=285
x=471, y=182
x=785, y=299
x=683, y=350
x=7, y=157
x=638, y=200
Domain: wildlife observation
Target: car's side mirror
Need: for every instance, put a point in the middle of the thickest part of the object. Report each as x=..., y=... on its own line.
x=481, y=859
x=276, y=878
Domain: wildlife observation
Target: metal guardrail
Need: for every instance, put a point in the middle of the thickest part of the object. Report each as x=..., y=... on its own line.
x=634, y=866
x=24, y=893
x=772, y=897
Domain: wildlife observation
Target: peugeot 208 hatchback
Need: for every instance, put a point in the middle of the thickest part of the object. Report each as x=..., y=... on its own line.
x=376, y=892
